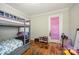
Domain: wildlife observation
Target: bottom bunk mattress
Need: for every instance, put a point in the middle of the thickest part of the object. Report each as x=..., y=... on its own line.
x=9, y=45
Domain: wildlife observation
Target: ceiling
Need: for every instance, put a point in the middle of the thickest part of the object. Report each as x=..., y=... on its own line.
x=31, y=9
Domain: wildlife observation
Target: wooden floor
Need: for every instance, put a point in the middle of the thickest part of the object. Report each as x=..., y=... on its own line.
x=39, y=49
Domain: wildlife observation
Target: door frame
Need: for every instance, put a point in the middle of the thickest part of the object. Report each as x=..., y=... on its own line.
x=60, y=27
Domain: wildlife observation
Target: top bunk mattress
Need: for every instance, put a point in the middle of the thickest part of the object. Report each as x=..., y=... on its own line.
x=9, y=45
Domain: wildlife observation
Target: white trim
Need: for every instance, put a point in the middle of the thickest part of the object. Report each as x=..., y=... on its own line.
x=60, y=25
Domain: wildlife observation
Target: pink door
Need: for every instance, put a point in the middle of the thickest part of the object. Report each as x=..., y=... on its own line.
x=54, y=27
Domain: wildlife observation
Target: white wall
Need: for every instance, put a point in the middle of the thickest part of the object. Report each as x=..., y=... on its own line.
x=74, y=20
x=40, y=24
x=7, y=32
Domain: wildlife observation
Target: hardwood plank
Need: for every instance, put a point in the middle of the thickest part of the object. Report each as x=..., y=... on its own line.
x=36, y=49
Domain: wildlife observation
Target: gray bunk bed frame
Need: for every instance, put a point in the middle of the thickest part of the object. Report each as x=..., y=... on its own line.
x=22, y=49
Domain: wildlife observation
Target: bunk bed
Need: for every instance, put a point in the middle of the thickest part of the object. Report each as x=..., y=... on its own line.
x=14, y=46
